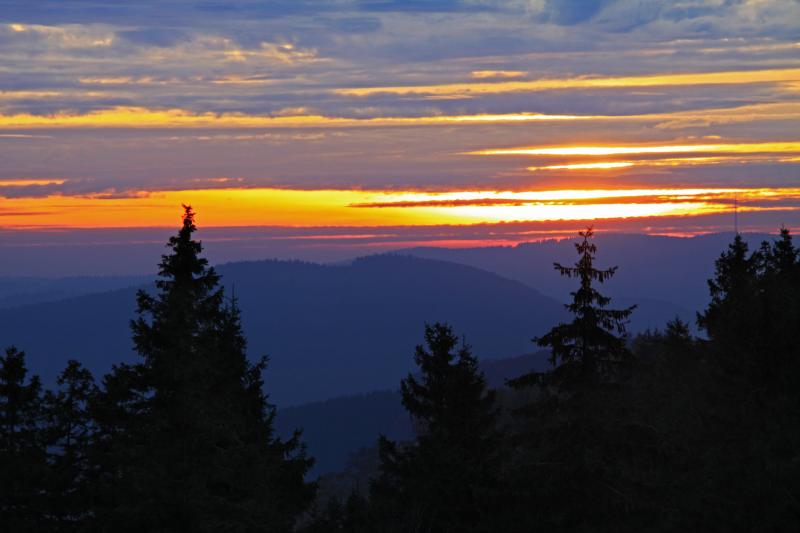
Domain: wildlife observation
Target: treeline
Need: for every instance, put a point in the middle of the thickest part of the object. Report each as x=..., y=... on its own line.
x=660, y=432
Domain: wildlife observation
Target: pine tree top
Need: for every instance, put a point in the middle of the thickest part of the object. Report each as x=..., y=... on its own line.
x=584, y=268
x=184, y=265
x=593, y=344
x=450, y=387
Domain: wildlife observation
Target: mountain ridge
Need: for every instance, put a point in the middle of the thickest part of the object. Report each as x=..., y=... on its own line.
x=329, y=330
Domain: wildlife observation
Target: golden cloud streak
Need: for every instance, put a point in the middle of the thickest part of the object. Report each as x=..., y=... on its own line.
x=483, y=74
x=254, y=207
x=729, y=148
x=563, y=195
x=138, y=117
x=587, y=166
x=141, y=117
x=24, y=95
x=667, y=162
x=681, y=79
x=30, y=182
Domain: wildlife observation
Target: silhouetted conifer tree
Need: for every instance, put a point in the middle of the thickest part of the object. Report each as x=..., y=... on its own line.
x=23, y=461
x=592, y=346
x=188, y=433
x=69, y=430
x=677, y=332
x=447, y=479
x=728, y=320
x=566, y=472
x=744, y=413
x=779, y=283
x=755, y=304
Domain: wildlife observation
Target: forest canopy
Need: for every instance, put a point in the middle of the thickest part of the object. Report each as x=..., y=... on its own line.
x=660, y=431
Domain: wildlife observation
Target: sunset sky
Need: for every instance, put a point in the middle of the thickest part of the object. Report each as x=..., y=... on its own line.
x=502, y=120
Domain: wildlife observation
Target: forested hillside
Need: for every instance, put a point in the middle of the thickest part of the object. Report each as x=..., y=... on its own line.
x=328, y=330
x=661, y=431
x=322, y=319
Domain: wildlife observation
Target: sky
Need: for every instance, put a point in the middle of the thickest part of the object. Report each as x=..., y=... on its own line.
x=394, y=122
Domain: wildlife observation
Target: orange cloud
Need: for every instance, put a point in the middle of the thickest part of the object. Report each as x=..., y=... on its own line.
x=668, y=162
x=142, y=117
x=30, y=182
x=726, y=148
x=682, y=79
x=258, y=207
x=139, y=117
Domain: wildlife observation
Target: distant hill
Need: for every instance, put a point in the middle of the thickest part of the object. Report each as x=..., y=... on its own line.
x=17, y=291
x=349, y=328
x=329, y=330
x=652, y=268
x=336, y=428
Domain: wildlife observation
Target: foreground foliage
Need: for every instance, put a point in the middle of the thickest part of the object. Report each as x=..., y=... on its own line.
x=181, y=441
x=662, y=432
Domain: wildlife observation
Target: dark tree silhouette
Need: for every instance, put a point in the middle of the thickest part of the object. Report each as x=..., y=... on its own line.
x=695, y=435
x=779, y=295
x=447, y=479
x=351, y=517
x=69, y=429
x=755, y=304
x=592, y=346
x=733, y=291
x=23, y=462
x=189, y=431
x=566, y=473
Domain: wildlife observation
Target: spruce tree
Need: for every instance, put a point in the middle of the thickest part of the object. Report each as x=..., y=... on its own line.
x=779, y=295
x=69, y=430
x=447, y=479
x=782, y=258
x=23, y=464
x=728, y=320
x=592, y=346
x=753, y=350
x=754, y=311
x=196, y=449
x=118, y=448
x=567, y=446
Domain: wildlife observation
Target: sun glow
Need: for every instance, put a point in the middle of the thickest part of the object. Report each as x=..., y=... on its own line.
x=301, y=208
x=587, y=166
x=667, y=162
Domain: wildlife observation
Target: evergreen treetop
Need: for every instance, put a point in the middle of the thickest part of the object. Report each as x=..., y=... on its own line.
x=69, y=429
x=451, y=392
x=190, y=427
x=447, y=479
x=732, y=290
x=592, y=346
x=23, y=460
x=753, y=307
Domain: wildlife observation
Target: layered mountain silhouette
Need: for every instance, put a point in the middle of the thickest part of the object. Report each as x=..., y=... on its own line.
x=334, y=429
x=655, y=269
x=329, y=330
x=351, y=328
x=17, y=291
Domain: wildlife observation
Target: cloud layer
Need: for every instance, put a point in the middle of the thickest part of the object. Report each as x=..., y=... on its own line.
x=104, y=100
